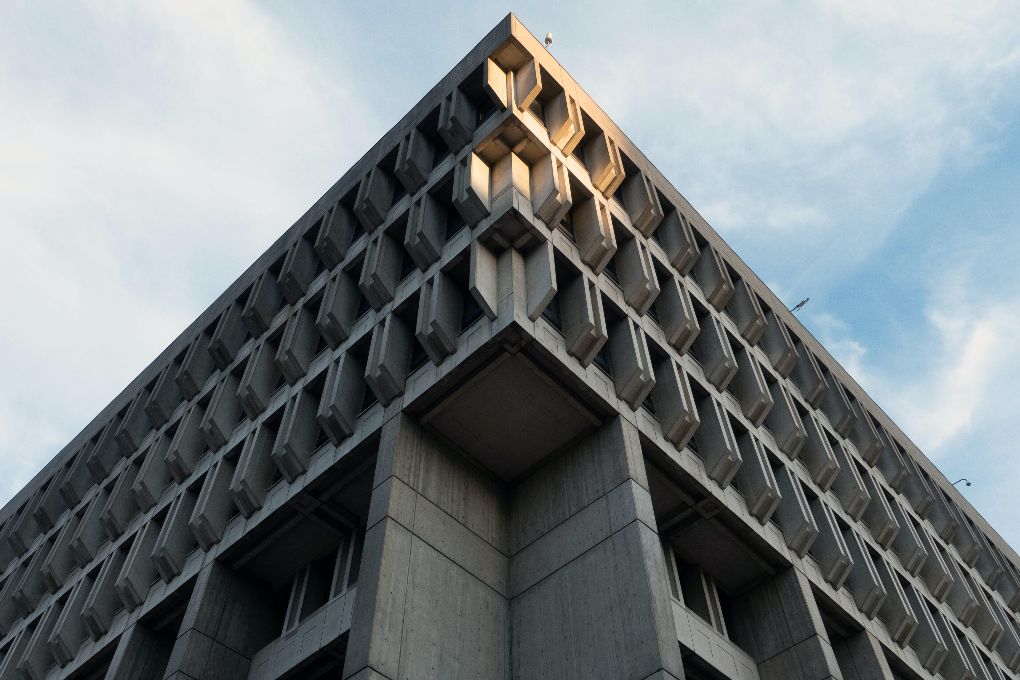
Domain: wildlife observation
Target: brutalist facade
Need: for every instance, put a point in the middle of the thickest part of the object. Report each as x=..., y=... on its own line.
x=500, y=405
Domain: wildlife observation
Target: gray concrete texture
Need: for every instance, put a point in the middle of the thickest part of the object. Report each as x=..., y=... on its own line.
x=501, y=404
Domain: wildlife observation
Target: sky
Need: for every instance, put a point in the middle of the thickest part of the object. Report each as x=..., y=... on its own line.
x=864, y=154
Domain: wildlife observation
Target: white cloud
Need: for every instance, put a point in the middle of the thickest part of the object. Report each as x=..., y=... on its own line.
x=148, y=159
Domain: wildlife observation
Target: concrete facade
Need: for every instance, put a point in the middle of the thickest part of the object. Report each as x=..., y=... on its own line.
x=500, y=405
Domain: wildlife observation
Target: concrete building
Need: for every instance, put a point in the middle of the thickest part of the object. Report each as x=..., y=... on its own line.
x=501, y=404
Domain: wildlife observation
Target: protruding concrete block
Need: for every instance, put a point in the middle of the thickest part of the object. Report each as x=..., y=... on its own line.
x=956, y=663
x=863, y=581
x=837, y=407
x=848, y=484
x=101, y=459
x=135, y=425
x=934, y=572
x=341, y=397
x=593, y=232
x=793, y=514
x=374, y=198
x=483, y=278
x=457, y=120
x=942, y=517
x=8, y=610
x=778, y=345
x=907, y=543
x=380, y=272
x=24, y=529
x=755, y=479
x=264, y=301
x=817, y=454
x=989, y=562
x=676, y=314
x=51, y=505
x=864, y=436
x=677, y=239
x=540, y=278
x=564, y=122
x=527, y=80
x=641, y=199
x=66, y=638
x=187, y=446
x=223, y=414
x=89, y=535
x=926, y=641
x=471, y=183
x=891, y=463
x=229, y=336
x=175, y=541
x=602, y=158
x=338, y=310
x=961, y=597
x=298, y=271
x=712, y=350
x=746, y=312
x=298, y=345
x=164, y=398
x=260, y=379
x=1008, y=645
x=139, y=571
x=965, y=539
x=784, y=421
x=9, y=662
x=674, y=403
x=713, y=276
x=37, y=659
x=439, y=312
x=414, y=159
x=102, y=602
x=637, y=275
x=335, y=235
x=879, y=515
x=632, y=368
x=32, y=588
x=829, y=549
x=550, y=190
x=255, y=470
x=77, y=482
x=153, y=474
x=583, y=318
x=895, y=611
x=215, y=505
x=388, y=357
x=808, y=377
x=986, y=623
x=60, y=562
x=121, y=506
x=296, y=441
x=750, y=388
x=141, y=653
x=715, y=442
x=426, y=231
x=196, y=367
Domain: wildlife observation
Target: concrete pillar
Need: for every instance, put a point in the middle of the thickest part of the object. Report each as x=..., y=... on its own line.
x=864, y=436
x=817, y=454
x=582, y=317
x=165, y=396
x=295, y=442
x=260, y=379
x=228, y=337
x=878, y=516
x=586, y=562
x=471, y=184
x=388, y=357
x=860, y=657
x=636, y=273
x=713, y=277
x=121, y=506
x=154, y=474
x=175, y=541
x=778, y=345
x=223, y=414
x=674, y=402
x=793, y=514
x=712, y=350
x=750, y=388
x=141, y=653
x=746, y=311
x=341, y=397
x=380, y=272
x=895, y=610
x=755, y=479
x=196, y=367
x=255, y=468
x=593, y=232
x=781, y=628
x=70, y=630
x=439, y=312
x=837, y=407
x=425, y=233
x=432, y=594
x=227, y=620
x=807, y=376
x=848, y=484
x=602, y=158
x=676, y=314
x=457, y=120
x=414, y=160
x=632, y=371
x=550, y=190
x=715, y=442
x=187, y=446
x=783, y=420
x=539, y=278
x=829, y=549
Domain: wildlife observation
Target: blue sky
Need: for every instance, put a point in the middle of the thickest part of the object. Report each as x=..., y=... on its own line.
x=865, y=154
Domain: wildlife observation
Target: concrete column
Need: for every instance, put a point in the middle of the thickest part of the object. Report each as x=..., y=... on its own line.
x=229, y=336
x=781, y=628
x=227, y=620
x=861, y=657
x=335, y=235
x=432, y=595
x=141, y=653
x=676, y=237
x=263, y=303
x=298, y=270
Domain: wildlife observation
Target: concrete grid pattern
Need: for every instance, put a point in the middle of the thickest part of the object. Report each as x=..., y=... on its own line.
x=500, y=404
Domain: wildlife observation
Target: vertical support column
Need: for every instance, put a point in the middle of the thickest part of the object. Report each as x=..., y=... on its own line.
x=433, y=586
x=861, y=658
x=782, y=629
x=141, y=653
x=586, y=562
x=228, y=619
